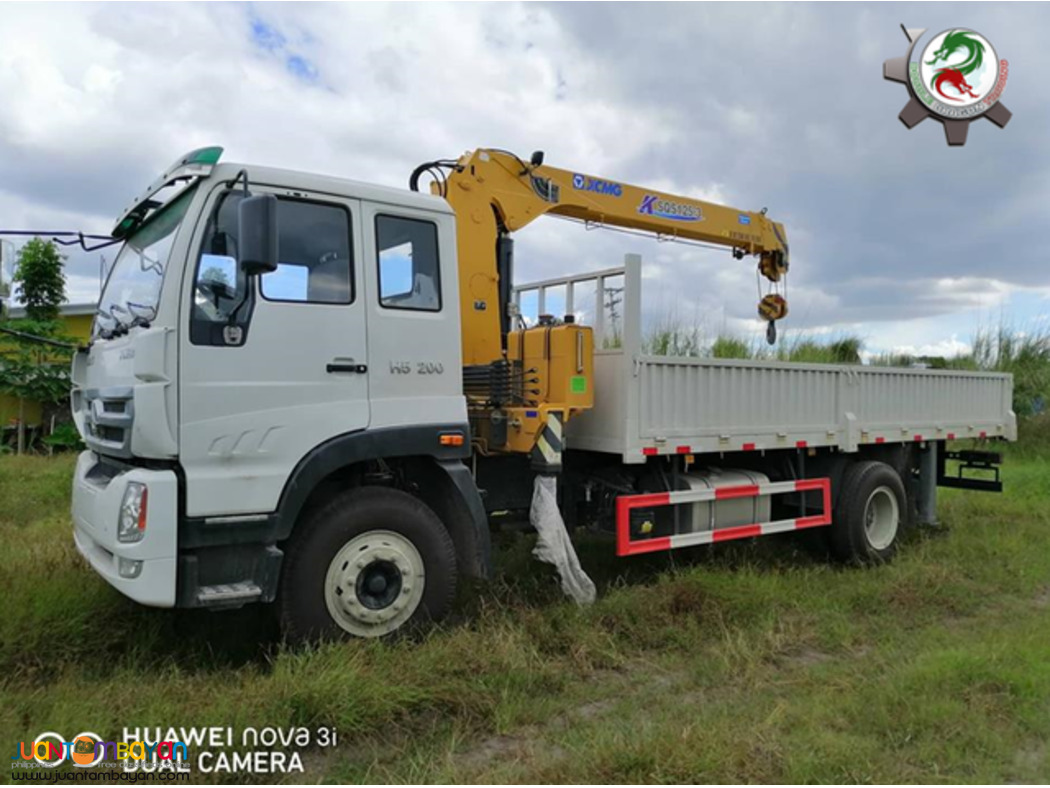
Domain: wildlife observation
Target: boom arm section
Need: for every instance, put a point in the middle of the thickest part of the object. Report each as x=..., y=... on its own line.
x=494, y=193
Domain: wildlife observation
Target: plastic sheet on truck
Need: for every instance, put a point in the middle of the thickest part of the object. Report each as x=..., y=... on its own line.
x=554, y=546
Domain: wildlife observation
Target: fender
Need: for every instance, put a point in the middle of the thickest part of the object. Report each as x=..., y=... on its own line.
x=446, y=484
x=448, y=487
x=317, y=464
x=355, y=447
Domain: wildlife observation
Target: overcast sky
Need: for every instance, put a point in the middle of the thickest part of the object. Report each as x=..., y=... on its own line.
x=894, y=236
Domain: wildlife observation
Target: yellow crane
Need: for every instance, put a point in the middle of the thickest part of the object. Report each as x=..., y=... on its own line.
x=523, y=382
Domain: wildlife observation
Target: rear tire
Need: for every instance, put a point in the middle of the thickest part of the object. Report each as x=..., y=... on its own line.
x=372, y=562
x=869, y=514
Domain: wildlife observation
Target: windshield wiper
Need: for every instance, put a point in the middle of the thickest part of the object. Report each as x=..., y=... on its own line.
x=119, y=327
x=154, y=265
x=141, y=320
x=105, y=333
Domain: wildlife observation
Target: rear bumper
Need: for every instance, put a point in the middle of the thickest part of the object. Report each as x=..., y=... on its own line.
x=98, y=491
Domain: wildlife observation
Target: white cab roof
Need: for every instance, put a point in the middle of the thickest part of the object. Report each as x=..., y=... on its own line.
x=327, y=184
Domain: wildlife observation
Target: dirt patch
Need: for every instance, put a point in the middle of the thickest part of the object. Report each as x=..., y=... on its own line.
x=1042, y=597
x=494, y=748
x=597, y=708
x=502, y=748
x=1030, y=763
x=804, y=657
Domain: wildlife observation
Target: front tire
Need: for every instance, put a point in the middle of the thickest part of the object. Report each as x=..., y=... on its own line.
x=869, y=514
x=372, y=562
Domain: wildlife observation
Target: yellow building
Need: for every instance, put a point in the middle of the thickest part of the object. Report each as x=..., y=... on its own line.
x=76, y=322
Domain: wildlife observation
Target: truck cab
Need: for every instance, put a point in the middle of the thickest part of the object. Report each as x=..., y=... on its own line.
x=221, y=405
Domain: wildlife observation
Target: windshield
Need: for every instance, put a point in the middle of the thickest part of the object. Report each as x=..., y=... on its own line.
x=133, y=288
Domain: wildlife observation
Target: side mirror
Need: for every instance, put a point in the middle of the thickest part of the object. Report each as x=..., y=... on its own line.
x=257, y=234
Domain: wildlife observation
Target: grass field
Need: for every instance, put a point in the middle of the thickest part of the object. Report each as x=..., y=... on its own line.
x=746, y=662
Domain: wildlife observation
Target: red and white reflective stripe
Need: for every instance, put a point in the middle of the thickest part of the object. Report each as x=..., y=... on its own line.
x=625, y=545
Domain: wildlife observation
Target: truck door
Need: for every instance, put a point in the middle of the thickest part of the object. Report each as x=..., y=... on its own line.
x=274, y=367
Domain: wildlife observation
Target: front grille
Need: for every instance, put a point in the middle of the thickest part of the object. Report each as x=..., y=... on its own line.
x=108, y=415
x=111, y=434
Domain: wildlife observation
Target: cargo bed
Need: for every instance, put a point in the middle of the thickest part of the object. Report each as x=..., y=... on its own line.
x=651, y=405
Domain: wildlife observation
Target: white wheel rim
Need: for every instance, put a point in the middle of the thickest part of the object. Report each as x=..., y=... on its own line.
x=374, y=583
x=881, y=518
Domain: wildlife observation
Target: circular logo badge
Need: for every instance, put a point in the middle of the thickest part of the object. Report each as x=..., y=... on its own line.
x=956, y=77
x=957, y=74
x=83, y=751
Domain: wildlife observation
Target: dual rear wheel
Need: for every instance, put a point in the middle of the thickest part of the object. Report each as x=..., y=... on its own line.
x=869, y=514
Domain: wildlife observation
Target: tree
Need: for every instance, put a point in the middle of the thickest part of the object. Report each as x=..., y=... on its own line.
x=215, y=274
x=30, y=370
x=40, y=280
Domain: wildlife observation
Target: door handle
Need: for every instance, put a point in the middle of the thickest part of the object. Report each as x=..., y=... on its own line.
x=347, y=366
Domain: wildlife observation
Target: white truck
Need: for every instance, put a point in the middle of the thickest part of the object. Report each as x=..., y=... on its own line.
x=280, y=403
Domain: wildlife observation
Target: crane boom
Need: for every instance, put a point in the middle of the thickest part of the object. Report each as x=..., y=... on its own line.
x=495, y=193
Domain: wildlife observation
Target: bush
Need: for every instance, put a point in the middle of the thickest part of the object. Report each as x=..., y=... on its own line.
x=64, y=437
x=731, y=347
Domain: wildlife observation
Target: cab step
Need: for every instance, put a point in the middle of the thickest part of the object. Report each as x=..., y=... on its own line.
x=228, y=594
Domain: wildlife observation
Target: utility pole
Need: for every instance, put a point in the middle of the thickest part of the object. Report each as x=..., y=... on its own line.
x=613, y=299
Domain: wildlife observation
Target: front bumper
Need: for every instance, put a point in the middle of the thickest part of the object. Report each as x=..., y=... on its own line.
x=98, y=490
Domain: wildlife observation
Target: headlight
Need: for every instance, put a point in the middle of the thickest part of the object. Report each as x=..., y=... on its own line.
x=133, y=513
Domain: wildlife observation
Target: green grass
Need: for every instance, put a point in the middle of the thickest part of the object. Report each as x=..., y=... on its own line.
x=748, y=662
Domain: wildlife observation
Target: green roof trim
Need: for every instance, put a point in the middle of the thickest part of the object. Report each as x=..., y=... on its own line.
x=204, y=155
x=191, y=167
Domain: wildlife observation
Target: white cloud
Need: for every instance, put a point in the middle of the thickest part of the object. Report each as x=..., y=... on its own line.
x=888, y=234
x=947, y=348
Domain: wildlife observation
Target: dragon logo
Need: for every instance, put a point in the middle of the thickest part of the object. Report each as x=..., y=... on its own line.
x=953, y=42
x=957, y=78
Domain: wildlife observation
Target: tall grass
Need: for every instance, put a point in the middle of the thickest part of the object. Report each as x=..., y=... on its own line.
x=673, y=338
x=731, y=347
x=1024, y=354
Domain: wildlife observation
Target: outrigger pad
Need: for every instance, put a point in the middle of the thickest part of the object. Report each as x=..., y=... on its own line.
x=554, y=545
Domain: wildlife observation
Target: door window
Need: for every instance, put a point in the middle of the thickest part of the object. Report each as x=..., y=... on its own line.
x=409, y=273
x=315, y=265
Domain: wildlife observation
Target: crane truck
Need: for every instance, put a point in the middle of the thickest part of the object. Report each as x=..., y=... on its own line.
x=316, y=392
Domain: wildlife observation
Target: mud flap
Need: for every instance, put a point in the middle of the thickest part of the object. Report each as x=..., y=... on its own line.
x=554, y=546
